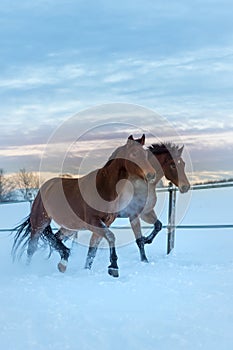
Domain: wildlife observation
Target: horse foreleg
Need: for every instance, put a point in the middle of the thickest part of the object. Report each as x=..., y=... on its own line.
x=113, y=269
x=102, y=230
x=151, y=218
x=136, y=227
x=93, y=246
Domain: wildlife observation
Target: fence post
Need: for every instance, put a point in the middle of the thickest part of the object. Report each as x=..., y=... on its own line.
x=171, y=218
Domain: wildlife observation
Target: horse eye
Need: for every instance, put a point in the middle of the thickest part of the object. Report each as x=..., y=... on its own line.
x=173, y=166
x=181, y=162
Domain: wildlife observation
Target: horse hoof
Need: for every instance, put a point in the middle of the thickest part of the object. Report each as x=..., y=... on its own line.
x=145, y=260
x=87, y=267
x=147, y=240
x=113, y=272
x=62, y=266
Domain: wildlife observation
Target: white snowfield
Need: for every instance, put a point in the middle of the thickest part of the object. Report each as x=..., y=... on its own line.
x=180, y=301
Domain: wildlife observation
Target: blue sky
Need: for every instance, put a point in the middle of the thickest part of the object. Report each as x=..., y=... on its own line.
x=173, y=57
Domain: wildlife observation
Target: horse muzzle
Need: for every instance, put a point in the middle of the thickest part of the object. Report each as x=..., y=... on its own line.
x=184, y=188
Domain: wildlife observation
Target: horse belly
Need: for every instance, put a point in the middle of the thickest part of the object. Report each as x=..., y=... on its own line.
x=150, y=202
x=143, y=201
x=134, y=208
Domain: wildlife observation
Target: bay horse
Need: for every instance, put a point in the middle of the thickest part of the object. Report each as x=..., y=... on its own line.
x=88, y=203
x=166, y=159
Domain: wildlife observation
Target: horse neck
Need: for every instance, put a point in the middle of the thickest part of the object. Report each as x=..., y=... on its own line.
x=159, y=165
x=108, y=177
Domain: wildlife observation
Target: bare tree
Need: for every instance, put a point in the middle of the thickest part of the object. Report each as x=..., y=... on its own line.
x=26, y=182
x=2, y=184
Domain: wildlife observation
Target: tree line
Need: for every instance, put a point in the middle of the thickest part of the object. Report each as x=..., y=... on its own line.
x=20, y=186
x=25, y=184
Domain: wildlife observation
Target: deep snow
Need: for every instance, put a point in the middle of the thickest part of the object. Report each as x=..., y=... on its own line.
x=180, y=301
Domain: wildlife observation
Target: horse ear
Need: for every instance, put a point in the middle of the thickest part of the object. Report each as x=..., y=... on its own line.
x=130, y=139
x=140, y=140
x=180, y=150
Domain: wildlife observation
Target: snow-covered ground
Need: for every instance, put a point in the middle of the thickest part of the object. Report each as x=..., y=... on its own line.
x=180, y=301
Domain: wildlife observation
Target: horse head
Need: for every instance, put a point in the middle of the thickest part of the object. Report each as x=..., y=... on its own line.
x=135, y=158
x=173, y=166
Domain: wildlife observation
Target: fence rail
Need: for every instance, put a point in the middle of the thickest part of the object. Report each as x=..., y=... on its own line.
x=171, y=226
x=198, y=187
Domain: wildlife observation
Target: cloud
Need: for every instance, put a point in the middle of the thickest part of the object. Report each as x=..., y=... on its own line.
x=117, y=78
x=39, y=76
x=174, y=58
x=196, y=76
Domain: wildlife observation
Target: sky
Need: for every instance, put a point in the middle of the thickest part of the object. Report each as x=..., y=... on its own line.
x=160, y=67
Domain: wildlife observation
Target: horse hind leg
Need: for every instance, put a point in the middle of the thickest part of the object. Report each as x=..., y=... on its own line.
x=25, y=238
x=38, y=221
x=32, y=246
x=33, y=242
x=59, y=247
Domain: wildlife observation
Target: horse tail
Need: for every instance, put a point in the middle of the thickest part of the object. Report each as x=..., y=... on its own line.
x=21, y=238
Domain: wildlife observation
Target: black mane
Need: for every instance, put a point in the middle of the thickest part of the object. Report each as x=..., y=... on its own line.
x=166, y=147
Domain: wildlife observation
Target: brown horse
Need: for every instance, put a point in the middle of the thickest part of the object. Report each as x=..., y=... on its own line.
x=85, y=203
x=166, y=161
